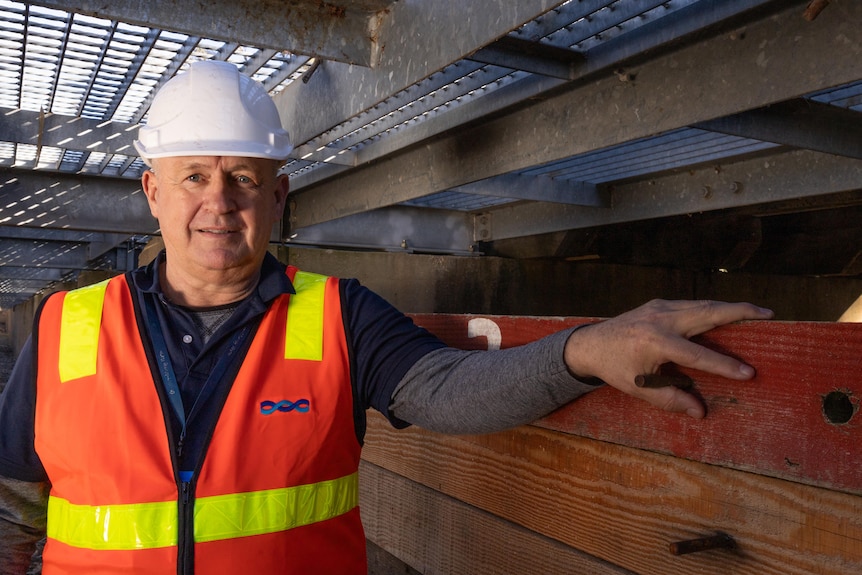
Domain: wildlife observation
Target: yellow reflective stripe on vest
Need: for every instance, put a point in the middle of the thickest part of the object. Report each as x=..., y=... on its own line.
x=82, y=316
x=274, y=510
x=113, y=527
x=151, y=525
x=80, y=321
x=304, y=335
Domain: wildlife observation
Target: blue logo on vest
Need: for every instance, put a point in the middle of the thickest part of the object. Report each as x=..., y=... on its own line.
x=300, y=405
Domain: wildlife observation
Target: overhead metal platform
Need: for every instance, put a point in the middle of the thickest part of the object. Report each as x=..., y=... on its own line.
x=599, y=129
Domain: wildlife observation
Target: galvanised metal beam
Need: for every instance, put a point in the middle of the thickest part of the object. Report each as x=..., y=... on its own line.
x=791, y=176
x=534, y=57
x=412, y=49
x=649, y=37
x=97, y=243
x=539, y=189
x=13, y=292
x=43, y=254
x=30, y=275
x=60, y=201
x=775, y=59
x=799, y=123
x=108, y=243
x=396, y=228
x=67, y=132
x=18, y=233
x=345, y=31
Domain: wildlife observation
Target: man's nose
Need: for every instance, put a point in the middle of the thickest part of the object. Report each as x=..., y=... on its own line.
x=219, y=194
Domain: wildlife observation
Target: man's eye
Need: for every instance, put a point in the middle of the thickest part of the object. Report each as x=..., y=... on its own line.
x=194, y=178
x=243, y=180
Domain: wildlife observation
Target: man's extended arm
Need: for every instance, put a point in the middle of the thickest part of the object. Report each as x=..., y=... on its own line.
x=455, y=391
x=473, y=392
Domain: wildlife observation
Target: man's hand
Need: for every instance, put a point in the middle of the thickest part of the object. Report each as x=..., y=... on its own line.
x=640, y=341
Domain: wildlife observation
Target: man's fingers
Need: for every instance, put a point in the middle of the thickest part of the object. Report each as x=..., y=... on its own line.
x=701, y=316
x=640, y=341
x=673, y=399
x=695, y=356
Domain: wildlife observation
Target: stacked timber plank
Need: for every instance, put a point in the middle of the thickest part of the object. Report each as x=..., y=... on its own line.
x=608, y=483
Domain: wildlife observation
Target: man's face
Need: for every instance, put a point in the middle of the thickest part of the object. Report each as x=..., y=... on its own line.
x=215, y=212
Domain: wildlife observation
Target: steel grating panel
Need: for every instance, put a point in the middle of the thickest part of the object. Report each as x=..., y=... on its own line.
x=99, y=75
x=575, y=25
x=583, y=24
x=106, y=72
x=458, y=201
x=674, y=150
x=848, y=97
x=57, y=62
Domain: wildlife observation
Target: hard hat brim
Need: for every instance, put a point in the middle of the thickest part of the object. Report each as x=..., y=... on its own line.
x=189, y=149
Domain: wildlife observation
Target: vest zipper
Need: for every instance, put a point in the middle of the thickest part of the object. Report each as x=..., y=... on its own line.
x=185, y=537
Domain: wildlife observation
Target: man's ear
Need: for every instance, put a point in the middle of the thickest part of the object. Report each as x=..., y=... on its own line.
x=282, y=187
x=150, y=184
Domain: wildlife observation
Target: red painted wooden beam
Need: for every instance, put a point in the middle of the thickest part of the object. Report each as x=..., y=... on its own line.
x=798, y=419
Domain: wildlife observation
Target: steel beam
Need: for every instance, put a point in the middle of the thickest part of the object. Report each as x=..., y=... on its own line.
x=97, y=243
x=18, y=233
x=397, y=228
x=346, y=89
x=41, y=254
x=798, y=123
x=754, y=184
x=537, y=188
x=771, y=60
x=531, y=57
x=67, y=132
x=413, y=49
x=32, y=276
x=649, y=37
x=59, y=201
x=344, y=31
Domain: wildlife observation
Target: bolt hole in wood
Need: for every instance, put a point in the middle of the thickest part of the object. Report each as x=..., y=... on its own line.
x=838, y=407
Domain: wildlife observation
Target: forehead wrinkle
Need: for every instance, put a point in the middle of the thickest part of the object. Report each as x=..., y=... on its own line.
x=228, y=164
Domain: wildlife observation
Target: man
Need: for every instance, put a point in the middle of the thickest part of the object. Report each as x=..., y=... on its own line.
x=205, y=413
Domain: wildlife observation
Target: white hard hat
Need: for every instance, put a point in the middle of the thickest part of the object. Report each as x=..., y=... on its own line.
x=213, y=110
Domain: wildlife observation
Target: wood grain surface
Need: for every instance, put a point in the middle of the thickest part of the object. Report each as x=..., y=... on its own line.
x=797, y=419
x=622, y=505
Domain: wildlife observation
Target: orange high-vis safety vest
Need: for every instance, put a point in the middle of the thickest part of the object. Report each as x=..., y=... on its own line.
x=277, y=491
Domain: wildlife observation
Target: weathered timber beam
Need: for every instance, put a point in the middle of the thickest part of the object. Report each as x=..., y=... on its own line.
x=623, y=505
x=716, y=73
x=781, y=411
x=344, y=31
x=59, y=201
x=431, y=544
